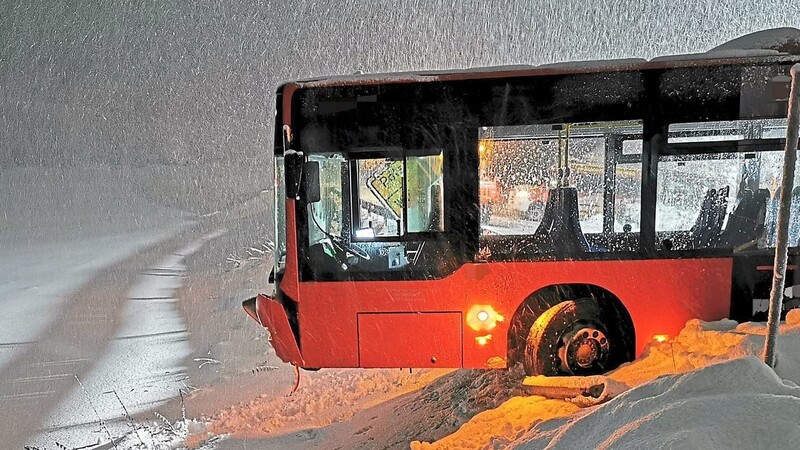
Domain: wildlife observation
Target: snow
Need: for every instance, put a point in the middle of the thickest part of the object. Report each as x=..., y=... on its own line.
x=784, y=39
x=36, y=278
x=59, y=228
x=42, y=205
x=737, y=404
x=582, y=391
x=675, y=382
x=323, y=398
x=765, y=43
x=510, y=419
x=143, y=366
x=706, y=388
x=595, y=64
x=358, y=79
x=721, y=54
x=131, y=84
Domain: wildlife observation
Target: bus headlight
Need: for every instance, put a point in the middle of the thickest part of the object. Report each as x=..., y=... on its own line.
x=483, y=317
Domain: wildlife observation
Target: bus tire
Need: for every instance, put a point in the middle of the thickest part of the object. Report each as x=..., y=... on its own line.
x=572, y=338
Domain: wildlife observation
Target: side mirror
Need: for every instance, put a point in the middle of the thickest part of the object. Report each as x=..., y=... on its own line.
x=311, y=189
x=293, y=161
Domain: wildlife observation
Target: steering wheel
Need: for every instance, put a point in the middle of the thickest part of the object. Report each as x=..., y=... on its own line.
x=339, y=243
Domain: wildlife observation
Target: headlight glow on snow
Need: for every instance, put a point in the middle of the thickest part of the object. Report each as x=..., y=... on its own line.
x=483, y=318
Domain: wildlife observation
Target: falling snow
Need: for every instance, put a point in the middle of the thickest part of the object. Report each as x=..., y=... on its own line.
x=131, y=130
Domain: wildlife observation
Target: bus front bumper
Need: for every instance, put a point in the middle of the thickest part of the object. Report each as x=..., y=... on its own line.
x=269, y=313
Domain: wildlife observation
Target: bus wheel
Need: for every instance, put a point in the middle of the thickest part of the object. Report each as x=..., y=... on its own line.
x=571, y=338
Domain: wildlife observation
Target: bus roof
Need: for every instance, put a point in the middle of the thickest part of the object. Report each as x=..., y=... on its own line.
x=773, y=45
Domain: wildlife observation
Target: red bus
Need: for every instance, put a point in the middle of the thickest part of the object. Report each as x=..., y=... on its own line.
x=660, y=178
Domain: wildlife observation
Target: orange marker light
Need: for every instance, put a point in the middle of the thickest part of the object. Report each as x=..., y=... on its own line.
x=661, y=338
x=483, y=317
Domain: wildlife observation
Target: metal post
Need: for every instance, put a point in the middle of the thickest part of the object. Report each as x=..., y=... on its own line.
x=781, y=245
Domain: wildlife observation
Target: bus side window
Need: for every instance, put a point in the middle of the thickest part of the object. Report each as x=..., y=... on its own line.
x=794, y=218
x=771, y=219
x=520, y=167
x=743, y=159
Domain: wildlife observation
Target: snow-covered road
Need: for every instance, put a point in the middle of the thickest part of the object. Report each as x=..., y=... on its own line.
x=141, y=368
x=37, y=278
x=119, y=335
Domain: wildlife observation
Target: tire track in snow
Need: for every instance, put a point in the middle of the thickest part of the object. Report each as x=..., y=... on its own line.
x=43, y=375
x=141, y=369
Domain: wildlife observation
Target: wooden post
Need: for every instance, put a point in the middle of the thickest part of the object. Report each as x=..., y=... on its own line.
x=782, y=244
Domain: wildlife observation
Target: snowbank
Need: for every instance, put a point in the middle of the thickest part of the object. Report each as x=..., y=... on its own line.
x=356, y=409
x=495, y=427
x=323, y=398
x=706, y=388
x=736, y=404
x=701, y=344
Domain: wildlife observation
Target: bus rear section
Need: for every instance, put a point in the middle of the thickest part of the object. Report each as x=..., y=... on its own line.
x=557, y=218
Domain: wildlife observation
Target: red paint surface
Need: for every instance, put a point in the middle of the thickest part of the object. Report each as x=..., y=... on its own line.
x=398, y=339
x=272, y=315
x=660, y=295
x=291, y=278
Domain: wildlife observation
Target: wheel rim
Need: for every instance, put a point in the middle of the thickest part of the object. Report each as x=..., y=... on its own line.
x=583, y=348
x=576, y=337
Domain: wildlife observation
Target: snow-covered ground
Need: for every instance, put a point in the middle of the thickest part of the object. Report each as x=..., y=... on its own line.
x=36, y=278
x=58, y=229
x=63, y=231
x=704, y=388
x=141, y=369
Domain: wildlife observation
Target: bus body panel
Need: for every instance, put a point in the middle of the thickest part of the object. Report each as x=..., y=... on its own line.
x=435, y=339
x=271, y=314
x=660, y=295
